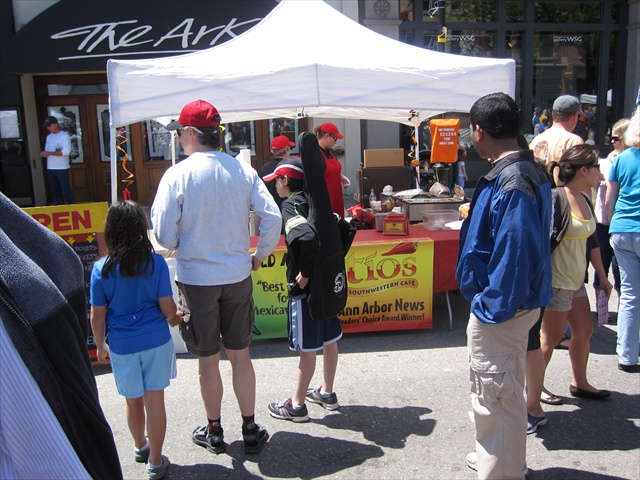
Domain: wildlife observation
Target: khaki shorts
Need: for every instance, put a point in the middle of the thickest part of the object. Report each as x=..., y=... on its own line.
x=216, y=311
x=562, y=299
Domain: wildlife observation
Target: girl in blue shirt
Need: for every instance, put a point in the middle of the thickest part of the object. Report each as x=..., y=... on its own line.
x=131, y=293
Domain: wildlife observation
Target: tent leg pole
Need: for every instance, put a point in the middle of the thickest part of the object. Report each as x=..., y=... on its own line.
x=416, y=148
x=114, y=167
x=174, y=137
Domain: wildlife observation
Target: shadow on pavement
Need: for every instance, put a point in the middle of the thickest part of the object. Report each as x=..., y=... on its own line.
x=603, y=340
x=569, y=474
x=606, y=425
x=298, y=455
x=386, y=427
x=206, y=471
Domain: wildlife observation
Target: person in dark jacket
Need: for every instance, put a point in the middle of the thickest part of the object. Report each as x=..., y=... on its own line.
x=504, y=269
x=306, y=335
x=47, y=386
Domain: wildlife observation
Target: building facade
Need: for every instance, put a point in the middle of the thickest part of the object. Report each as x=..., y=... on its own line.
x=54, y=55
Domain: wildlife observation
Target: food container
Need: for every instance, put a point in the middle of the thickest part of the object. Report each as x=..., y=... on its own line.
x=395, y=225
x=380, y=216
x=412, y=208
x=437, y=219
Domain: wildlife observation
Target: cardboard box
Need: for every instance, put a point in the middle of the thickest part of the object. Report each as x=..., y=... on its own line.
x=384, y=157
x=395, y=225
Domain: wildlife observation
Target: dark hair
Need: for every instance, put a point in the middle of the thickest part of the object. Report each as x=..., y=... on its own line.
x=572, y=160
x=497, y=114
x=562, y=116
x=295, y=185
x=522, y=141
x=208, y=136
x=128, y=244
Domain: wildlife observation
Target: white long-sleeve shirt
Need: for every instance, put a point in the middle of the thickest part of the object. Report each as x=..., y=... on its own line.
x=202, y=210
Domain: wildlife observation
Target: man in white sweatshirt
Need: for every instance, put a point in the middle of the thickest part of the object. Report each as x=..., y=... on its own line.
x=56, y=151
x=201, y=211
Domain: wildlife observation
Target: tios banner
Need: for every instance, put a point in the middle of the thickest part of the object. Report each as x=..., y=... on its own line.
x=390, y=288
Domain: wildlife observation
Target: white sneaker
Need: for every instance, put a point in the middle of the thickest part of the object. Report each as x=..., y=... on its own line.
x=472, y=463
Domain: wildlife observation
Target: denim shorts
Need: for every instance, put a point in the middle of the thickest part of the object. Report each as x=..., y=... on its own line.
x=562, y=299
x=138, y=372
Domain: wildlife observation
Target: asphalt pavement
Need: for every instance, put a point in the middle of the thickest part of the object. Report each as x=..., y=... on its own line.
x=405, y=413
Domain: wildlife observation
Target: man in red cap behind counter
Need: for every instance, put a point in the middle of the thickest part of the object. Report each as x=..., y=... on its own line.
x=281, y=149
x=201, y=211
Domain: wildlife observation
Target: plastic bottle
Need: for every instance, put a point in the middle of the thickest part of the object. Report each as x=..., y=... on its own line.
x=372, y=197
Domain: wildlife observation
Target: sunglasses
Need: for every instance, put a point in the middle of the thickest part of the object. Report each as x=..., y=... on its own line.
x=615, y=139
x=594, y=166
x=335, y=139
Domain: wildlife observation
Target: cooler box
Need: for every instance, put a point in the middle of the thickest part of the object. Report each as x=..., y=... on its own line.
x=413, y=207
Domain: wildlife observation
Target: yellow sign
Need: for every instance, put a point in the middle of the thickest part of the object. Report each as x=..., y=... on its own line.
x=72, y=219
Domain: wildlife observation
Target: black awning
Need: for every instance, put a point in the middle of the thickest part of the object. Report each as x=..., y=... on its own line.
x=81, y=35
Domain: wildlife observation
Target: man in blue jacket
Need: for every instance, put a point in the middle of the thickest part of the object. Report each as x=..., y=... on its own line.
x=504, y=268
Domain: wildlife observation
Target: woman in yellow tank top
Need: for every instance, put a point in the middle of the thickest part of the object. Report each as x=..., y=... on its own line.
x=575, y=226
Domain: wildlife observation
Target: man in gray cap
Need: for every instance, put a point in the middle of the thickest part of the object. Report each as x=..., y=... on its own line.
x=552, y=143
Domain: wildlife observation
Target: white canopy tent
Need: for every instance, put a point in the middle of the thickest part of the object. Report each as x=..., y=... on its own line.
x=586, y=99
x=333, y=68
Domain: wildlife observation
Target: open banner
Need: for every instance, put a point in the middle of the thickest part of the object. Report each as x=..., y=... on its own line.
x=390, y=288
x=82, y=227
x=444, y=140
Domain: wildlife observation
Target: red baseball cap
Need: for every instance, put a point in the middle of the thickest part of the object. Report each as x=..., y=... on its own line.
x=332, y=129
x=196, y=114
x=280, y=143
x=289, y=167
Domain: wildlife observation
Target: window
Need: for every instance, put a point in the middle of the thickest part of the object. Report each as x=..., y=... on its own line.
x=104, y=133
x=158, y=141
x=567, y=12
x=565, y=63
x=10, y=125
x=478, y=43
x=239, y=136
x=286, y=127
x=69, y=120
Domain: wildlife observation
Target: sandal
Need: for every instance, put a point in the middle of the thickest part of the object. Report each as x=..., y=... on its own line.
x=552, y=400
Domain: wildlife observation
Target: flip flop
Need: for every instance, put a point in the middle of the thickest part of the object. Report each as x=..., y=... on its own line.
x=552, y=400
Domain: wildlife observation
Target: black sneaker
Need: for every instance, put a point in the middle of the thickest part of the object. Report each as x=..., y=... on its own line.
x=284, y=410
x=327, y=400
x=211, y=439
x=254, y=438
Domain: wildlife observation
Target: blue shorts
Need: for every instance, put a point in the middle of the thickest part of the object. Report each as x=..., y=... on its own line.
x=147, y=370
x=307, y=334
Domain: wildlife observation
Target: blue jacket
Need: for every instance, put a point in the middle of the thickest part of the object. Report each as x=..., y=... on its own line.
x=504, y=264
